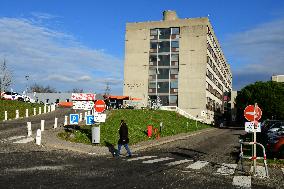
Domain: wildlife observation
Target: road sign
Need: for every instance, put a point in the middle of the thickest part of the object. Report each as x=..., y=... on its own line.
x=83, y=105
x=83, y=96
x=251, y=114
x=100, y=106
x=99, y=118
x=74, y=119
x=249, y=127
x=90, y=120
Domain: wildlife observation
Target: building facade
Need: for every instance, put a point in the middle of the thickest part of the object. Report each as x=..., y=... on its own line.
x=278, y=78
x=179, y=62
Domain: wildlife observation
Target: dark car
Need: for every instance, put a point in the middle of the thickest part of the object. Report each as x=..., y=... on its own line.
x=267, y=124
x=275, y=146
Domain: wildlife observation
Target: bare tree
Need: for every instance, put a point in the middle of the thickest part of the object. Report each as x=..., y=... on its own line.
x=76, y=90
x=41, y=89
x=5, y=77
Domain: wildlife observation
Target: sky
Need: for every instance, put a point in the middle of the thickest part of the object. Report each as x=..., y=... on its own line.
x=69, y=44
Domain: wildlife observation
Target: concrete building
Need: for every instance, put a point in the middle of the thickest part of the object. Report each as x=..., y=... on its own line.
x=178, y=61
x=278, y=78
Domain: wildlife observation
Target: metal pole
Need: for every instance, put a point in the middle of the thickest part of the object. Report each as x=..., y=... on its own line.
x=254, y=140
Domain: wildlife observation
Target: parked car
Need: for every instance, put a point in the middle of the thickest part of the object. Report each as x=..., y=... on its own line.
x=267, y=124
x=275, y=131
x=275, y=146
x=12, y=96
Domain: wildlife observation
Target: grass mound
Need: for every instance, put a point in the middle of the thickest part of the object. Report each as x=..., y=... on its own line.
x=137, y=121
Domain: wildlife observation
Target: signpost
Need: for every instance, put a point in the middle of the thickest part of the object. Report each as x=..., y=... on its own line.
x=253, y=113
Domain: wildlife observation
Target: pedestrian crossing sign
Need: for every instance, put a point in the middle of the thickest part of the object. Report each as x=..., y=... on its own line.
x=74, y=119
x=90, y=120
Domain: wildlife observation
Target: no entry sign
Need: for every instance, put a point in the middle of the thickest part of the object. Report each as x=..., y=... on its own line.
x=252, y=114
x=100, y=106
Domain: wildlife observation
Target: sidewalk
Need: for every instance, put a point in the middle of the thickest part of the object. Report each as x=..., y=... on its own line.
x=50, y=139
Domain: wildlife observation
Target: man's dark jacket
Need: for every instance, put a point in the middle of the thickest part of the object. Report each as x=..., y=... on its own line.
x=123, y=133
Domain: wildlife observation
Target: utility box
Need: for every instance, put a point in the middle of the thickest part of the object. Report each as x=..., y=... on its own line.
x=96, y=135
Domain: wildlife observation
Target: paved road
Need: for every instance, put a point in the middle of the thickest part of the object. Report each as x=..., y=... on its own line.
x=202, y=161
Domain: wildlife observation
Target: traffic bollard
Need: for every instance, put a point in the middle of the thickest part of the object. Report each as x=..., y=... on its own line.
x=55, y=123
x=17, y=114
x=80, y=117
x=44, y=109
x=39, y=110
x=48, y=108
x=65, y=120
x=29, y=126
x=42, y=125
x=34, y=111
x=27, y=112
x=149, y=130
x=85, y=115
x=6, y=116
x=38, y=137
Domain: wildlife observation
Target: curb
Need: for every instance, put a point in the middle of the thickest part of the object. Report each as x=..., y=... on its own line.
x=51, y=140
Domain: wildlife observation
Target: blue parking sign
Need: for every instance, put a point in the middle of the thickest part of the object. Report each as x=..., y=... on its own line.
x=90, y=120
x=74, y=119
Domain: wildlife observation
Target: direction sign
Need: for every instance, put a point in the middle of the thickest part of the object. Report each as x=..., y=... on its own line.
x=83, y=96
x=251, y=114
x=100, y=106
x=90, y=120
x=74, y=119
x=83, y=105
x=249, y=127
x=100, y=118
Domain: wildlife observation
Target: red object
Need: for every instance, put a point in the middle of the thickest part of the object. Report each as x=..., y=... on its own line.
x=249, y=113
x=149, y=129
x=100, y=106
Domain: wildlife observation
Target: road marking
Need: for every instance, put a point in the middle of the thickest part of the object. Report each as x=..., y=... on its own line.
x=157, y=160
x=38, y=168
x=242, y=181
x=141, y=158
x=15, y=137
x=259, y=171
x=25, y=140
x=227, y=169
x=179, y=162
x=198, y=165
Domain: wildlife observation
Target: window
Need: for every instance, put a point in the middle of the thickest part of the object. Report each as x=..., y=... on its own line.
x=154, y=32
x=164, y=60
x=174, y=84
x=175, y=31
x=173, y=99
x=175, y=44
x=165, y=33
x=153, y=45
x=152, y=85
x=163, y=73
x=174, y=57
x=163, y=87
x=174, y=71
x=152, y=71
x=164, y=46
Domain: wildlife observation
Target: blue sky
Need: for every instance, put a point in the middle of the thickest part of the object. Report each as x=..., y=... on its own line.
x=80, y=44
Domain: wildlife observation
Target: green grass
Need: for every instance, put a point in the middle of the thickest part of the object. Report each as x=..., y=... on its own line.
x=12, y=105
x=137, y=121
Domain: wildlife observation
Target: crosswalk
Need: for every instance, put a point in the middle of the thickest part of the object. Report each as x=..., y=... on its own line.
x=17, y=139
x=224, y=169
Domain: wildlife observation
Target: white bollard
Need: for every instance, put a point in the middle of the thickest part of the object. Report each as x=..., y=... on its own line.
x=44, y=109
x=38, y=137
x=6, y=116
x=85, y=115
x=17, y=114
x=65, y=120
x=42, y=125
x=34, y=111
x=27, y=112
x=53, y=107
x=80, y=117
x=29, y=126
x=48, y=109
x=89, y=112
x=55, y=123
x=39, y=110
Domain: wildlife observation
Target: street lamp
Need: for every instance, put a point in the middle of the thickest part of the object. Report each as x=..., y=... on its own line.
x=27, y=78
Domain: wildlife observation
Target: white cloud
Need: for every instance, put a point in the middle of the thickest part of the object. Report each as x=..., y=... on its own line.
x=54, y=58
x=257, y=53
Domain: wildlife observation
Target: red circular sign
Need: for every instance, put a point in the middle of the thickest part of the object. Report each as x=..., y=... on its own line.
x=100, y=106
x=251, y=114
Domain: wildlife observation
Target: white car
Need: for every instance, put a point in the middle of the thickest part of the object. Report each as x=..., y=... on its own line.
x=12, y=96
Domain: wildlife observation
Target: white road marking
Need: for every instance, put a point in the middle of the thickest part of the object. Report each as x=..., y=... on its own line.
x=157, y=160
x=198, y=165
x=242, y=181
x=141, y=158
x=15, y=137
x=259, y=171
x=38, y=168
x=179, y=162
x=227, y=169
x=25, y=140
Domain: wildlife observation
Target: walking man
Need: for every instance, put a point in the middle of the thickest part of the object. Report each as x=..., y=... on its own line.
x=123, y=138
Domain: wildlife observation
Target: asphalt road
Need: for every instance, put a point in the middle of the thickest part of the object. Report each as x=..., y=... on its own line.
x=196, y=162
